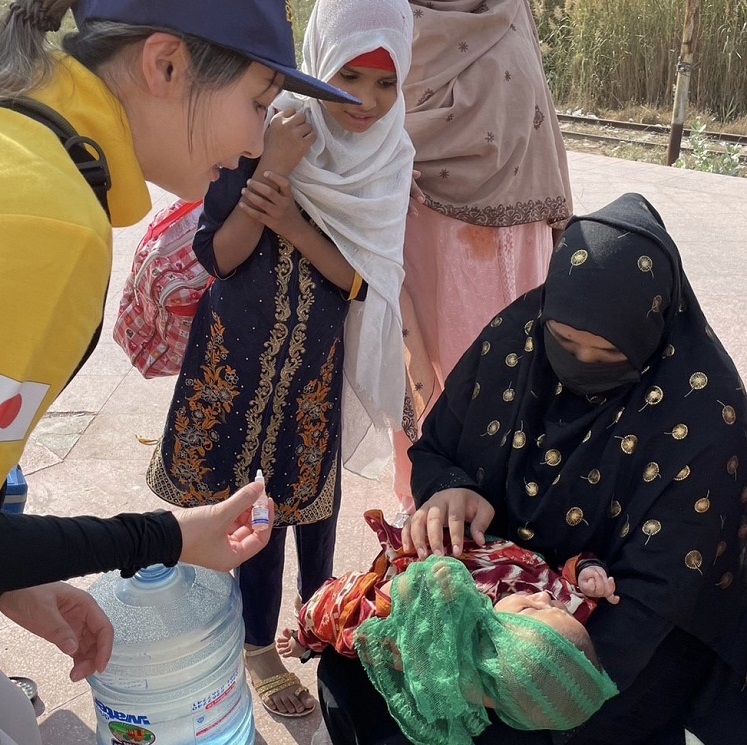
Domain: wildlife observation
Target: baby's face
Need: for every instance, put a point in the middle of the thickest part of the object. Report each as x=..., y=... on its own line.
x=543, y=607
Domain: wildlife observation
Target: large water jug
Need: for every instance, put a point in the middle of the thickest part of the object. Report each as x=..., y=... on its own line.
x=176, y=676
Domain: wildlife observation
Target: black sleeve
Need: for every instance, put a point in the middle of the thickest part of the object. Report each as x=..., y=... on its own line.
x=435, y=462
x=37, y=549
x=220, y=201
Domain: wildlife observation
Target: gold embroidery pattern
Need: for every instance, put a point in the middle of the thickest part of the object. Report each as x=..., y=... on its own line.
x=321, y=507
x=575, y=516
x=683, y=474
x=651, y=472
x=628, y=444
x=312, y=421
x=694, y=560
x=194, y=424
x=650, y=528
x=267, y=362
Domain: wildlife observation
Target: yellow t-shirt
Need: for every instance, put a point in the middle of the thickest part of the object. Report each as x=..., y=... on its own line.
x=56, y=245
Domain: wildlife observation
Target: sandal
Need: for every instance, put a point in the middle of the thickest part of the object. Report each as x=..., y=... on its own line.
x=268, y=687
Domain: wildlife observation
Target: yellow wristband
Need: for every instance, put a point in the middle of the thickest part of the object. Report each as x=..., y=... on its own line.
x=356, y=287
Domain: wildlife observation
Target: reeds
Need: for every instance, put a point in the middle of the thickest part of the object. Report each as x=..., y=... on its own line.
x=613, y=53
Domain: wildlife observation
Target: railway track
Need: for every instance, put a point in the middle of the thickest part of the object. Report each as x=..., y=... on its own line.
x=609, y=134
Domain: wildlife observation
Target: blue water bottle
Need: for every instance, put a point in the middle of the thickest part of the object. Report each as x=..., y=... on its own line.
x=176, y=675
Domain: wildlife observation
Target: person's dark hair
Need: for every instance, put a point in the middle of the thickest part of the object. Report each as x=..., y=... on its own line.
x=26, y=60
x=582, y=641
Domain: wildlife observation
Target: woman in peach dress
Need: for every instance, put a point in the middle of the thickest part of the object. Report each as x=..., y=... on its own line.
x=495, y=181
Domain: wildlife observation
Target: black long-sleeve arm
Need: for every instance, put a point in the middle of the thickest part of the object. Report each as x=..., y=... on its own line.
x=37, y=549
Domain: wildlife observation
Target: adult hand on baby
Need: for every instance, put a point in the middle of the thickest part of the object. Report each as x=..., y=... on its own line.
x=287, y=139
x=273, y=205
x=450, y=508
x=67, y=617
x=594, y=583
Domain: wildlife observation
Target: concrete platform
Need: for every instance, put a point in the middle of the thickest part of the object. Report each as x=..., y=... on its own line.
x=86, y=457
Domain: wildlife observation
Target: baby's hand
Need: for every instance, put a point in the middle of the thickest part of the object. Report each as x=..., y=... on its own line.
x=594, y=583
x=287, y=139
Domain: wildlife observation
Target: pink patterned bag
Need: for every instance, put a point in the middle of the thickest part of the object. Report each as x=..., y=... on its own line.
x=162, y=292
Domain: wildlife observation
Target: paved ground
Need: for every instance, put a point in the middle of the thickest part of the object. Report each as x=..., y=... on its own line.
x=85, y=456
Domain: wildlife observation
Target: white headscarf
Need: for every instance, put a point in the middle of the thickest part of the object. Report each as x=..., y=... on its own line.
x=355, y=187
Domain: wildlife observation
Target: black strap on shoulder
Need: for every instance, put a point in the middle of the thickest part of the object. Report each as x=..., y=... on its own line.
x=85, y=152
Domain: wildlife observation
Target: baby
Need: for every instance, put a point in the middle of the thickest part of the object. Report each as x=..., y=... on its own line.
x=516, y=581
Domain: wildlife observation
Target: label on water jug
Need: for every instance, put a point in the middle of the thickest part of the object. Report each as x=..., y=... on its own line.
x=127, y=734
x=217, y=709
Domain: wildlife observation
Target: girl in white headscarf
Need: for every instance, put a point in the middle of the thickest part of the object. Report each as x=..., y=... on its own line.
x=296, y=362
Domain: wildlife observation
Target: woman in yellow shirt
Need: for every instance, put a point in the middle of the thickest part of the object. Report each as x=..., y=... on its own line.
x=170, y=91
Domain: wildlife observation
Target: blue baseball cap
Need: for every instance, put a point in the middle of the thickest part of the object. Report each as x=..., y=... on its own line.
x=259, y=29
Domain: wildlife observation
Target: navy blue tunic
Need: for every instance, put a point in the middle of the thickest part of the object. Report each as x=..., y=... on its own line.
x=260, y=384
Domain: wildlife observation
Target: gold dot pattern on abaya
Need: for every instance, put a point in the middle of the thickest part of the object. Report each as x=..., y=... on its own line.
x=628, y=444
x=526, y=533
x=703, y=505
x=579, y=257
x=615, y=508
x=541, y=442
x=651, y=528
x=556, y=480
x=683, y=474
x=594, y=476
x=476, y=391
x=619, y=414
x=509, y=395
x=679, y=431
x=668, y=351
x=720, y=548
x=558, y=389
x=529, y=345
x=694, y=560
x=532, y=488
x=520, y=439
x=575, y=516
x=625, y=528
x=512, y=359
x=485, y=348
x=698, y=381
x=728, y=414
x=654, y=397
x=493, y=427
x=553, y=458
x=587, y=437
x=480, y=475
x=656, y=304
x=504, y=440
x=726, y=579
x=645, y=264
x=732, y=465
x=528, y=327
x=651, y=472
x=497, y=321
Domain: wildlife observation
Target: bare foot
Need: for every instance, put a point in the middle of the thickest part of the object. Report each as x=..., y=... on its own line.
x=286, y=701
x=287, y=646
